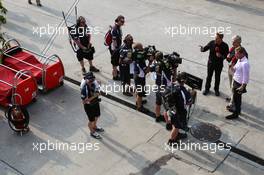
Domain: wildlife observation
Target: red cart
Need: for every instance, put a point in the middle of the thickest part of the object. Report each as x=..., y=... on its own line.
x=48, y=71
x=17, y=89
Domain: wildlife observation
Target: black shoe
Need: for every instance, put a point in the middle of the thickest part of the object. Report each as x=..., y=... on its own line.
x=29, y=2
x=39, y=5
x=205, y=92
x=232, y=116
x=96, y=135
x=94, y=69
x=157, y=119
x=128, y=94
x=83, y=70
x=144, y=102
x=142, y=109
x=117, y=78
x=169, y=126
x=217, y=93
x=160, y=118
x=228, y=99
x=181, y=136
x=98, y=129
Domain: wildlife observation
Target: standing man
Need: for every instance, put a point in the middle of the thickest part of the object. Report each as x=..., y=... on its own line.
x=38, y=2
x=241, y=79
x=140, y=71
x=89, y=95
x=114, y=48
x=83, y=41
x=124, y=64
x=218, y=53
x=176, y=108
x=232, y=60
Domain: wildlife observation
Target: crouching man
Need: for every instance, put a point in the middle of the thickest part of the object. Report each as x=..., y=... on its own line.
x=176, y=100
x=90, y=98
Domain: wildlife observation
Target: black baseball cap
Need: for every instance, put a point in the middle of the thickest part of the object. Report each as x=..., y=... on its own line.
x=89, y=76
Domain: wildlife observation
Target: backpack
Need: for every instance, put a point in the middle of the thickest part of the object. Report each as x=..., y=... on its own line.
x=108, y=37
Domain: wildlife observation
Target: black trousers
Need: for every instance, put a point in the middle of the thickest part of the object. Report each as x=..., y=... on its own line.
x=211, y=69
x=237, y=98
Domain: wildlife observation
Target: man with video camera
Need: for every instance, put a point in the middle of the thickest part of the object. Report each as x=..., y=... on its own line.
x=165, y=68
x=140, y=56
x=90, y=97
x=83, y=40
x=176, y=99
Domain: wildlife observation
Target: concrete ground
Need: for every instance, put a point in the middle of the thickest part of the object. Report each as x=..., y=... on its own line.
x=133, y=143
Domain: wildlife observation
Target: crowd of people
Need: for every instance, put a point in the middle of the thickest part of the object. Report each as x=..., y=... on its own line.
x=131, y=60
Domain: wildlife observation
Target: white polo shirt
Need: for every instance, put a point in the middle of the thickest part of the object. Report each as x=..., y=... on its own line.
x=242, y=68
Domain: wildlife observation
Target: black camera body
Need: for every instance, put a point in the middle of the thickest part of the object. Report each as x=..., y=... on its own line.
x=172, y=60
x=150, y=50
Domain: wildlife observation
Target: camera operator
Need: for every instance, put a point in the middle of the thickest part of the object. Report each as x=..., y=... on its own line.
x=165, y=69
x=90, y=98
x=83, y=41
x=176, y=100
x=140, y=71
x=114, y=48
x=124, y=64
x=218, y=52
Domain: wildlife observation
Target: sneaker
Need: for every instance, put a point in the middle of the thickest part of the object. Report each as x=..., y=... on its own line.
x=94, y=69
x=232, y=116
x=217, y=93
x=83, y=70
x=205, y=92
x=98, y=129
x=96, y=135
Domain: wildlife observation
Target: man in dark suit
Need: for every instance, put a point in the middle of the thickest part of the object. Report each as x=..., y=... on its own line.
x=218, y=53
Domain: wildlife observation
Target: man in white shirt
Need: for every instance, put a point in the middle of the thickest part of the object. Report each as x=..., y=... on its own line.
x=241, y=79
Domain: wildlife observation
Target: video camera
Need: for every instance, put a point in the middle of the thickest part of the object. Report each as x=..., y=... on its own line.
x=145, y=54
x=150, y=50
x=172, y=60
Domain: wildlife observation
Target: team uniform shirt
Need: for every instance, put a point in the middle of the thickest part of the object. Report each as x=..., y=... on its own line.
x=86, y=91
x=117, y=34
x=83, y=34
x=241, y=74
